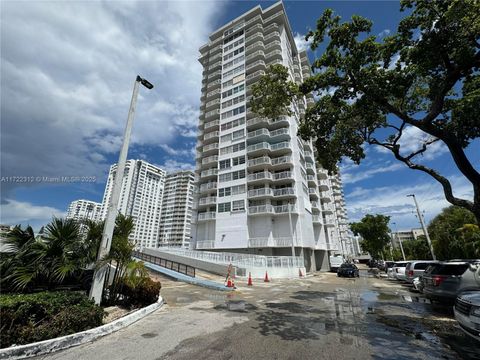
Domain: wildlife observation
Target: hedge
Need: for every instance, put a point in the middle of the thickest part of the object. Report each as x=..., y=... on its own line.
x=27, y=318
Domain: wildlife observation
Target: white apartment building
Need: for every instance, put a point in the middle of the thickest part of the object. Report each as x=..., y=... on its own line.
x=140, y=198
x=259, y=188
x=176, y=219
x=84, y=210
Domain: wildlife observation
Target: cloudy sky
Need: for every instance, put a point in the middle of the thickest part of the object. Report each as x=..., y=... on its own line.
x=67, y=71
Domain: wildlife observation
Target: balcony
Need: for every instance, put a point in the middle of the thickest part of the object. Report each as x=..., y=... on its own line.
x=313, y=192
x=316, y=219
x=256, y=54
x=281, y=161
x=260, y=148
x=257, y=65
x=270, y=28
x=213, y=93
x=260, y=193
x=210, y=160
x=214, y=84
x=274, y=45
x=211, y=124
x=273, y=34
x=212, y=103
x=285, y=209
x=259, y=162
x=329, y=221
x=275, y=54
x=260, y=176
x=284, y=192
x=323, y=185
x=275, y=62
x=205, y=216
x=282, y=147
x=322, y=174
x=210, y=200
x=206, y=244
x=210, y=186
x=310, y=168
x=213, y=113
x=315, y=205
x=215, y=74
x=326, y=196
x=255, y=75
x=309, y=155
x=312, y=180
x=274, y=16
x=284, y=175
x=210, y=148
x=255, y=46
x=260, y=242
x=211, y=136
x=327, y=208
x=254, y=36
x=209, y=173
x=215, y=66
x=256, y=19
x=253, y=28
x=260, y=210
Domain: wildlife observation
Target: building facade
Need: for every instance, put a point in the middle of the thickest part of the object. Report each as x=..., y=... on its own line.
x=406, y=235
x=84, y=210
x=259, y=188
x=141, y=198
x=176, y=216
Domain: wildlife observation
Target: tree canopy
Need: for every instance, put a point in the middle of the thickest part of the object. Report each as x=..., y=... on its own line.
x=375, y=233
x=372, y=90
x=455, y=234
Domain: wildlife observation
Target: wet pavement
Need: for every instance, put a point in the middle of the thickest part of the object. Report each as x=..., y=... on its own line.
x=318, y=317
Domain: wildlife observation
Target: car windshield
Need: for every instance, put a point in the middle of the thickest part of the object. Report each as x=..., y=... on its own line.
x=400, y=264
x=449, y=269
x=348, y=266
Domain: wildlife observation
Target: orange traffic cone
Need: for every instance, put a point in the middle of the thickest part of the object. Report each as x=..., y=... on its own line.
x=266, y=277
x=300, y=273
x=229, y=283
x=250, y=283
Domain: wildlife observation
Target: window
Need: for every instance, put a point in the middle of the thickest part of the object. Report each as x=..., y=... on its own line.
x=233, y=112
x=239, y=189
x=233, y=53
x=238, y=174
x=234, y=61
x=232, y=45
x=233, y=101
x=237, y=70
x=234, y=90
x=238, y=160
x=224, y=177
x=238, y=205
x=225, y=138
x=238, y=134
x=224, y=207
x=224, y=164
x=224, y=192
x=232, y=148
x=233, y=29
x=233, y=37
x=232, y=124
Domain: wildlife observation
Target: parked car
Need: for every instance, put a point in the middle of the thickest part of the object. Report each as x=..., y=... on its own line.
x=467, y=313
x=399, y=270
x=444, y=281
x=348, y=270
x=336, y=261
x=416, y=268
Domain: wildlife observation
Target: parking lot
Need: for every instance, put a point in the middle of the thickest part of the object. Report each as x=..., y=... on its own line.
x=318, y=317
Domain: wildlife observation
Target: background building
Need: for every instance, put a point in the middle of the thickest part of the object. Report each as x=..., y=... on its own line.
x=406, y=235
x=259, y=188
x=176, y=215
x=84, y=210
x=140, y=198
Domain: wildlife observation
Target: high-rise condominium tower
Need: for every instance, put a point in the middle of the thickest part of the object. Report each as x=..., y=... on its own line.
x=140, y=198
x=84, y=210
x=176, y=219
x=259, y=188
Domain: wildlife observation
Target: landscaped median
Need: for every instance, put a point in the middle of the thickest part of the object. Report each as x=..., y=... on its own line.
x=66, y=319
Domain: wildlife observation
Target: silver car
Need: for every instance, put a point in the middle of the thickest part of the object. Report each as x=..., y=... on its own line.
x=416, y=268
x=398, y=270
x=467, y=313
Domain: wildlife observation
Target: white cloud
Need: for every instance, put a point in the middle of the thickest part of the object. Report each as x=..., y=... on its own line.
x=384, y=33
x=17, y=212
x=67, y=71
x=412, y=140
x=171, y=165
x=178, y=152
x=301, y=43
x=352, y=175
x=393, y=201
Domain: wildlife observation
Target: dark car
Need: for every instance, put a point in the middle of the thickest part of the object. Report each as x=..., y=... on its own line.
x=446, y=280
x=348, y=270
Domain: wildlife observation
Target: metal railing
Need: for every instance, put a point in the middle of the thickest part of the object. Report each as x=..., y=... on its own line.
x=167, y=264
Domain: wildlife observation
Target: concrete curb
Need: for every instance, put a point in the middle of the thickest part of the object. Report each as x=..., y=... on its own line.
x=188, y=279
x=65, y=342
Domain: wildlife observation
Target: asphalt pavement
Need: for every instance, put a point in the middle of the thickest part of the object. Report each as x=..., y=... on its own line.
x=318, y=317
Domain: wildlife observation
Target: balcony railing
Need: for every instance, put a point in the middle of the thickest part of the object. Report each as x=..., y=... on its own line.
x=206, y=244
x=284, y=191
x=260, y=192
x=208, y=186
x=206, y=216
x=283, y=175
x=207, y=200
x=260, y=176
x=264, y=160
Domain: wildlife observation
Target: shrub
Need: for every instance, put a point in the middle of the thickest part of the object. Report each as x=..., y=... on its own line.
x=28, y=318
x=144, y=293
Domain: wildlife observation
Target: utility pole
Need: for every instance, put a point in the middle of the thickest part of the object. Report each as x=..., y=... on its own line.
x=399, y=241
x=423, y=225
x=99, y=276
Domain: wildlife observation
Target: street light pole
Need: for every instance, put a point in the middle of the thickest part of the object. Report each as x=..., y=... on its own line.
x=399, y=241
x=423, y=225
x=99, y=276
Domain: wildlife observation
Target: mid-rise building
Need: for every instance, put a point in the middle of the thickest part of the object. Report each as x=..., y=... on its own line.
x=406, y=235
x=140, y=198
x=259, y=188
x=177, y=202
x=84, y=210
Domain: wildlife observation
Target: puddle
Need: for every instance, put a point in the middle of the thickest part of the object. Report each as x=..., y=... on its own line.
x=236, y=306
x=416, y=299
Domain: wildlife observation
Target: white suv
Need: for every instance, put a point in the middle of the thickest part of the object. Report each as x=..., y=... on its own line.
x=467, y=313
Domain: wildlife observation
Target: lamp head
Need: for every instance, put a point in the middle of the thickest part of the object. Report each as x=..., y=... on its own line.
x=145, y=82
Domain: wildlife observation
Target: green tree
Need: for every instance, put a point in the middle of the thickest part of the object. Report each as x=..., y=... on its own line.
x=375, y=233
x=424, y=78
x=417, y=249
x=455, y=234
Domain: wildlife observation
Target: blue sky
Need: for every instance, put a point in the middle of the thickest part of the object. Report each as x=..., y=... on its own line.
x=67, y=74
